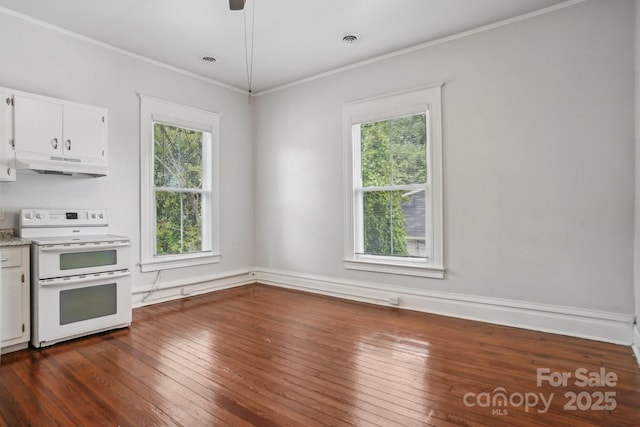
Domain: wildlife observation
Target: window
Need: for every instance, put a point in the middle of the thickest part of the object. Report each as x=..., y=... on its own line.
x=179, y=185
x=394, y=195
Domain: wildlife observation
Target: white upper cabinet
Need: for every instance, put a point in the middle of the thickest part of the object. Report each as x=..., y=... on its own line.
x=84, y=131
x=38, y=125
x=7, y=171
x=53, y=135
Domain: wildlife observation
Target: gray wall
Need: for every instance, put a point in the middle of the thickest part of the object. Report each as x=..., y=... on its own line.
x=538, y=161
x=49, y=63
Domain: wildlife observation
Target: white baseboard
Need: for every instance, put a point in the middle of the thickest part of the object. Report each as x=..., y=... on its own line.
x=167, y=291
x=597, y=325
x=636, y=342
x=591, y=324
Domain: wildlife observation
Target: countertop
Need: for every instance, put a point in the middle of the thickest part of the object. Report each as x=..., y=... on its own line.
x=8, y=238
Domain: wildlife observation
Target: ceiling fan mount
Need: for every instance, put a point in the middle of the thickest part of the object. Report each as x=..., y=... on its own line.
x=236, y=4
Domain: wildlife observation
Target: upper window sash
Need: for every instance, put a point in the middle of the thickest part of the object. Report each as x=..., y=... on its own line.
x=207, y=166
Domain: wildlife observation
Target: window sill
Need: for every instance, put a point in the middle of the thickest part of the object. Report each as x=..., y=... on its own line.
x=165, y=263
x=402, y=268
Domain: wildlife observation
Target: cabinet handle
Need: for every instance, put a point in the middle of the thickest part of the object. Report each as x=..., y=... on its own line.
x=67, y=144
x=54, y=142
x=5, y=259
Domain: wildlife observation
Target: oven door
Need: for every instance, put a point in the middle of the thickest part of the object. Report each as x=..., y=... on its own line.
x=75, y=306
x=73, y=259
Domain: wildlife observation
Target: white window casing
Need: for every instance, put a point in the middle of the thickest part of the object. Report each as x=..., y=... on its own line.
x=421, y=100
x=153, y=110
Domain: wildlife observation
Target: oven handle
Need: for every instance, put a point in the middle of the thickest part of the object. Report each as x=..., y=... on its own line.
x=74, y=246
x=83, y=278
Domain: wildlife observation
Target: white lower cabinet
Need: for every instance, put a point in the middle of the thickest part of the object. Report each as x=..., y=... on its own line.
x=16, y=302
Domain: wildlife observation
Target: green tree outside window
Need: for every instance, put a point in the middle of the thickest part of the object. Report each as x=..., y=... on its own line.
x=393, y=154
x=178, y=184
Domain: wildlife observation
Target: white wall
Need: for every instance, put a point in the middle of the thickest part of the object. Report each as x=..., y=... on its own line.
x=637, y=182
x=38, y=60
x=538, y=161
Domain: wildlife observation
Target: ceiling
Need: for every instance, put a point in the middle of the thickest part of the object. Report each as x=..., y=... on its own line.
x=294, y=39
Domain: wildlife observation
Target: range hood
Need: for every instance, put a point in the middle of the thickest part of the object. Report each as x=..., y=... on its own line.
x=59, y=165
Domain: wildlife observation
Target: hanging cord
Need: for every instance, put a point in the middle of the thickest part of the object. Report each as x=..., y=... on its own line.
x=249, y=59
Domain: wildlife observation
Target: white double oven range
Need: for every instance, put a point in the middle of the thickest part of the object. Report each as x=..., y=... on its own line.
x=80, y=274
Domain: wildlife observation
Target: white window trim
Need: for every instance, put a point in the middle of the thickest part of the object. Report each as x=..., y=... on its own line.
x=381, y=108
x=154, y=109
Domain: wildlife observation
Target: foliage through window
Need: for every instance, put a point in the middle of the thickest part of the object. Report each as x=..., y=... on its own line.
x=179, y=168
x=393, y=169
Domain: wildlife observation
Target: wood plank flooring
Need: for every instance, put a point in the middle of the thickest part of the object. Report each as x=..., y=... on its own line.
x=262, y=356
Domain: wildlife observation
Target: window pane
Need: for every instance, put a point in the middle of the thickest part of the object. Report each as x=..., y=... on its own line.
x=376, y=154
x=177, y=157
x=408, y=136
x=394, y=151
x=394, y=223
x=178, y=223
x=414, y=209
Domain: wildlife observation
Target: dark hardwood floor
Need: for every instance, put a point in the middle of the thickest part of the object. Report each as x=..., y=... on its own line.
x=263, y=356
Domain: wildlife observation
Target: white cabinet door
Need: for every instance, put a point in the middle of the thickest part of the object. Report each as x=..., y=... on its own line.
x=12, y=304
x=84, y=132
x=7, y=171
x=15, y=314
x=37, y=125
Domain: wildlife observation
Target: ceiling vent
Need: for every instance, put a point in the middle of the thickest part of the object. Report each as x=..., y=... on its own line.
x=350, y=38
